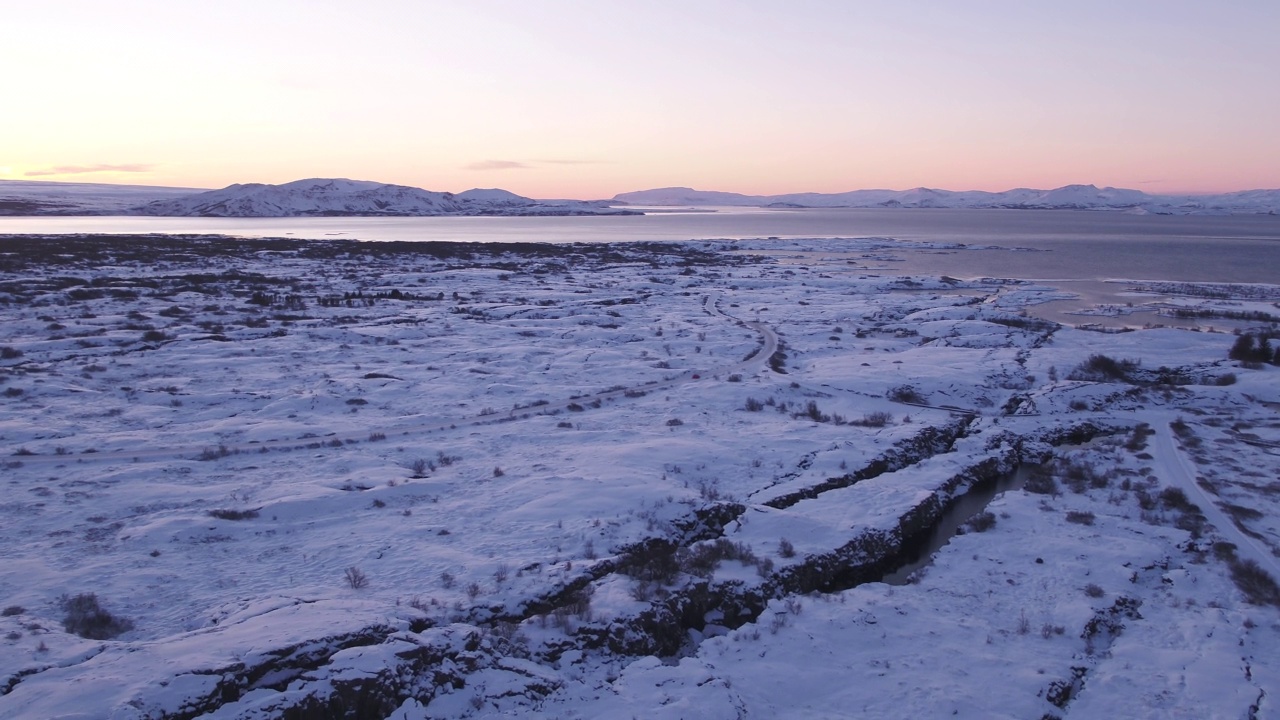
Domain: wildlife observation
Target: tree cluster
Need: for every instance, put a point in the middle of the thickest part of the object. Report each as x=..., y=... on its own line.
x=1255, y=348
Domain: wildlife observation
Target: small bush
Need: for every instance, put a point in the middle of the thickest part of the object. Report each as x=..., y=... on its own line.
x=875, y=420
x=210, y=454
x=735, y=378
x=785, y=548
x=981, y=522
x=764, y=567
x=1224, y=380
x=154, y=336
x=704, y=558
x=753, y=405
x=814, y=413
x=10, y=353
x=1041, y=483
x=1174, y=498
x=580, y=601
x=12, y=610
x=675, y=422
x=905, y=394
x=1079, y=476
x=1101, y=367
x=223, y=514
x=1138, y=439
x=1145, y=499
x=1094, y=590
x=1080, y=517
x=356, y=578
x=87, y=618
x=1224, y=550
x=652, y=561
x=1257, y=584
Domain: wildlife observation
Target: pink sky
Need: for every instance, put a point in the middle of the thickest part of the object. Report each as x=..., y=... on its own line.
x=588, y=99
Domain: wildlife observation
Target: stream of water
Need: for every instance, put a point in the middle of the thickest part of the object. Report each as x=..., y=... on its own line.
x=964, y=507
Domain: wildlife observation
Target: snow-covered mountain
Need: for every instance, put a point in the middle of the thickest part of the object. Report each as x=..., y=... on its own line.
x=1069, y=197
x=326, y=196
x=41, y=197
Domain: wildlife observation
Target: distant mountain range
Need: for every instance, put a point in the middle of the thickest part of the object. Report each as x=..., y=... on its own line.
x=340, y=197
x=1070, y=197
x=301, y=198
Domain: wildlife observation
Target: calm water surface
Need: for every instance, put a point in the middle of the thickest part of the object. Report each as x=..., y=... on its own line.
x=1080, y=246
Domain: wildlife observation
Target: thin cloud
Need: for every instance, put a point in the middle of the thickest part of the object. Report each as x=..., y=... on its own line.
x=574, y=162
x=498, y=165
x=529, y=165
x=84, y=169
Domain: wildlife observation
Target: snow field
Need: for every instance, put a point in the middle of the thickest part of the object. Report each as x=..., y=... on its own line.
x=477, y=454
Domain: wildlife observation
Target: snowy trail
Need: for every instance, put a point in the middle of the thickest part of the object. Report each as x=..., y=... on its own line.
x=1182, y=473
x=768, y=346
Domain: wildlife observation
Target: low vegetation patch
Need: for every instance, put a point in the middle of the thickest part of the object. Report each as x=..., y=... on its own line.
x=905, y=394
x=1101, y=368
x=1041, y=482
x=1138, y=438
x=225, y=514
x=981, y=522
x=874, y=420
x=1080, y=517
x=704, y=558
x=1257, y=584
x=86, y=617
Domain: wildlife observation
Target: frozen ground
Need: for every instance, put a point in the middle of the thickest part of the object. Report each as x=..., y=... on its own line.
x=650, y=480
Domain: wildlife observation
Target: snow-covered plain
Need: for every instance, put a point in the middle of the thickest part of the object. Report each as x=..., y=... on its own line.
x=333, y=479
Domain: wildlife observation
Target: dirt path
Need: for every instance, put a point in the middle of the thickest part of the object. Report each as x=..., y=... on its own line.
x=1180, y=472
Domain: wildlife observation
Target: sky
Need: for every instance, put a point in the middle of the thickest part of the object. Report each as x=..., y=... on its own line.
x=589, y=98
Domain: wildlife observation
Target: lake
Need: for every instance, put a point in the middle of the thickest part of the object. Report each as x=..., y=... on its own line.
x=1073, y=245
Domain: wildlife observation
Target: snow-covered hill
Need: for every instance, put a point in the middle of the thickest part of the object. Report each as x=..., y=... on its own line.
x=324, y=196
x=37, y=197
x=1069, y=197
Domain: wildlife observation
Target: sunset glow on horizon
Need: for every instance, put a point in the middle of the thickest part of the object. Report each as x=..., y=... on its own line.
x=588, y=99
